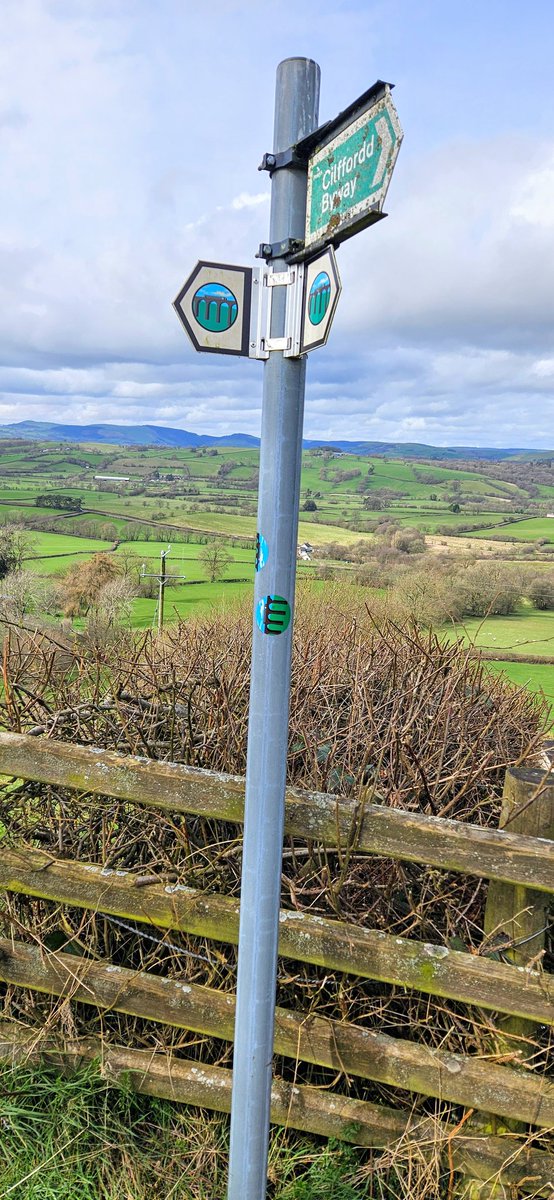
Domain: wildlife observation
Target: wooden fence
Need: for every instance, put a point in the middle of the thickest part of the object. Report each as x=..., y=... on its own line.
x=520, y=868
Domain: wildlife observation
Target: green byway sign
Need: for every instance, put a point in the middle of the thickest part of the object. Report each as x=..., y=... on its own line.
x=348, y=176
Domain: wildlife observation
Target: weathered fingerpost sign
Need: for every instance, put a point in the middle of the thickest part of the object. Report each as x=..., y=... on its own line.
x=326, y=184
x=349, y=174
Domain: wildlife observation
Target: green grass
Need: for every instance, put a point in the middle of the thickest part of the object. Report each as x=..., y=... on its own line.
x=522, y=531
x=537, y=677
x=13, y=513
x=195, y=598
x=59, y=564
x=192, y=600
x=431, y=517
x=77, y=1138
x=528, y=632
x=63, y=543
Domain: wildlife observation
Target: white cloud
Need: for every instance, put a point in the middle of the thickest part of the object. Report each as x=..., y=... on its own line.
x=246, y=200
x=130, y=140
x=535, y=202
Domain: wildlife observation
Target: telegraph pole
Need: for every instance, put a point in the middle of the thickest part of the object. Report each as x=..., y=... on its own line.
x=296, y=113
x=161, y=595
x=163, y=579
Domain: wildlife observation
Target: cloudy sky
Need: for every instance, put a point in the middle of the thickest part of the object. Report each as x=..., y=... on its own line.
x=131, y=132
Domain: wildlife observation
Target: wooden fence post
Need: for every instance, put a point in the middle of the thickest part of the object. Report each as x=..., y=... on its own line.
x=519, y=916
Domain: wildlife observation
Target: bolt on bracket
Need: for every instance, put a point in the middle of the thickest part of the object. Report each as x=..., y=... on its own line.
x=284, y=249
x=293, y=157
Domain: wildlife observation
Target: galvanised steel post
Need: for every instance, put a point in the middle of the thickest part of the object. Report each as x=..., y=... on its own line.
x=296, y=114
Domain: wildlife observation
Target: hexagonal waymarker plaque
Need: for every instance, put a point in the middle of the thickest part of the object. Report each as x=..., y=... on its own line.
x=214, y=307
x=322, y=288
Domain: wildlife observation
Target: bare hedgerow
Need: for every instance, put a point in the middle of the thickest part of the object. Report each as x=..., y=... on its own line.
x=377, y=709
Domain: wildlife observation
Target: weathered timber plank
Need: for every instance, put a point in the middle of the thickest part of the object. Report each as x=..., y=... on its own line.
x=173, y=787
x=371, y=954
x=519, y=913
x=522, y=913
x=338, y=1045
x=298, y=1107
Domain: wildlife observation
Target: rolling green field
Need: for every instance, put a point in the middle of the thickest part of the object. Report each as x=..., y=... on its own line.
x=537, y=677
x=186, y=601
x=43, y=544
x=186, y=497
x=522, y=531
x=528, y=632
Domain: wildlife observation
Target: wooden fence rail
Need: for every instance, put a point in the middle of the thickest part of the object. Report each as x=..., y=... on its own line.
x=337, y=945
x=522, y=867
x=296, y=1106
x=413, y=837
x=338, y=1045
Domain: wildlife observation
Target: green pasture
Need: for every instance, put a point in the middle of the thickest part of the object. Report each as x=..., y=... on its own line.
x=407, y=477
x=19, y=490
x=529, y=632
x=14, y=513
x=197, y=598
x=183, y=559
x=233, y=525
x=55, y=553
x=59, y=564
x=447, y=475
x=62, y=543
x=428, y=518
x=528, y=530
x=537, y=677
x=193, y=599
x=118, y=525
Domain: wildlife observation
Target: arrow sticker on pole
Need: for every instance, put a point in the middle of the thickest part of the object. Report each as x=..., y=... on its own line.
x=262, y=551
x=273, y=614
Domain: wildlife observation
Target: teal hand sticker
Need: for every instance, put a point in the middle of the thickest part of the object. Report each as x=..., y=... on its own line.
x=262, y=551
x=273, y=614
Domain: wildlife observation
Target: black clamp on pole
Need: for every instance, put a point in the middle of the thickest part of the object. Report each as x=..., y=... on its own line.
x=284, y=249
x=286, y=158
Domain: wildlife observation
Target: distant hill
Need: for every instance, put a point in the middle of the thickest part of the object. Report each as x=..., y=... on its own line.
x=161, y=435
x=121, y=435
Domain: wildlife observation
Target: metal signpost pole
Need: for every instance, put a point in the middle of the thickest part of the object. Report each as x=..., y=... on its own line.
x=327, y=184
x=296, y=112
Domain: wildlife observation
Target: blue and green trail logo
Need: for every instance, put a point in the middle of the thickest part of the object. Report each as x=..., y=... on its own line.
x=215, y=307
x=319, y=297
x=262, y=551
x=273, y=614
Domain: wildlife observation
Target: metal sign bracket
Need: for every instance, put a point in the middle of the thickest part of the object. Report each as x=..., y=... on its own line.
x=258, y=315
x=293, y=157
x=284, y=249
x=293, y=315
x=262, y=343
x=279, y=278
